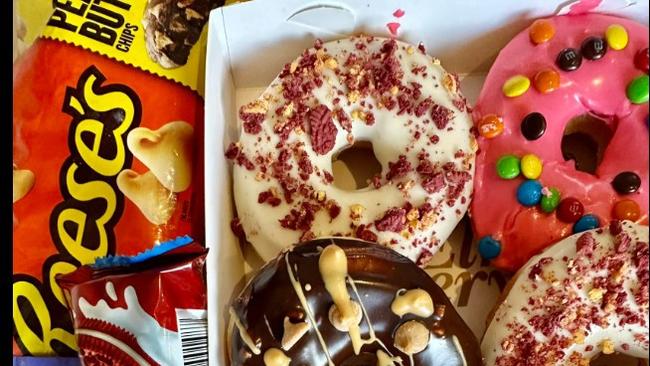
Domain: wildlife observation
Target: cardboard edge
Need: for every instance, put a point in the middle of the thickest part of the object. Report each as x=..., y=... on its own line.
x=224, y=258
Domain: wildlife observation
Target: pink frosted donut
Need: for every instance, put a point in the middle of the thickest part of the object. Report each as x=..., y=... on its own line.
x=528, y=108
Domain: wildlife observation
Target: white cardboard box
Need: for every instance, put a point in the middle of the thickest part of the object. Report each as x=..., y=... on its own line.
x=248, y=44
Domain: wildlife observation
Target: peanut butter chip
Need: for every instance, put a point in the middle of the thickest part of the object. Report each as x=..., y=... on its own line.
x=293, y=333
x=412, y=337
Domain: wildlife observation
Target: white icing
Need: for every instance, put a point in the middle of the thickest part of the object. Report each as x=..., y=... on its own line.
x=522, y=290
x=389, y=137
x=151, y=337
x=243, y=333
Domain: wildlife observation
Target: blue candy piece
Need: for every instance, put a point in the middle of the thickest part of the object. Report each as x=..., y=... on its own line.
x=586, y=222
x=529, y=193
x=125, y=261
x=488, y=247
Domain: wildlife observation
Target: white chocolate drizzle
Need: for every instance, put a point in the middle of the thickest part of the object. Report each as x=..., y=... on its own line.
x=417, y=302
x=275, y=357
x=459, y=348
x=333, y=266
x=385, y=360
x=297, y=287
x=243, y=334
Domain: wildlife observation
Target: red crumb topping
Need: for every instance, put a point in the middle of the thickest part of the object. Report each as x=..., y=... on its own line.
x=365, y=234
x=323, y=129
x=399, y=168
x=299, y=219
x=268, y=197
x=441, y=116
x=566, y=301
x=393, y=220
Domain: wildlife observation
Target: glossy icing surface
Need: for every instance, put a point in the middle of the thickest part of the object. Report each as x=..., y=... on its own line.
x=370, y=89
x=586, y=295
x=596, y=87
x=293, y=285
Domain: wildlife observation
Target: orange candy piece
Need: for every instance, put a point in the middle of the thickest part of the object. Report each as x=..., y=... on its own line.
x=626, y=210
x=542, y=30
x=490, y=126
x=546, y=81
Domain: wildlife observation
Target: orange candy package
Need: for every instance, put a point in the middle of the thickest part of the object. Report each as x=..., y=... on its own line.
x=108, y=134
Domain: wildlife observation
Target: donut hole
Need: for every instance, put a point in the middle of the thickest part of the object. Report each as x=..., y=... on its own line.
x=354, y=166
x=584, y=141
x=617, y=359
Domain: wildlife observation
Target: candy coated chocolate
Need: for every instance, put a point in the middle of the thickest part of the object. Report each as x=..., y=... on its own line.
x=533, y=126
x=626, y=182
x=593, y=48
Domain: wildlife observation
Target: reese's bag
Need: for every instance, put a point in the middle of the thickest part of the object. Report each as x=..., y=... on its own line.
x=108, y=131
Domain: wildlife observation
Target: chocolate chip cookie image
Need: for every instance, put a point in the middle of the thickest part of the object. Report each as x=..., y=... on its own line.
x=172, y=28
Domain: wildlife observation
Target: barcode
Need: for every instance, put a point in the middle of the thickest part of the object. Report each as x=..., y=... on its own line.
x=193, y=331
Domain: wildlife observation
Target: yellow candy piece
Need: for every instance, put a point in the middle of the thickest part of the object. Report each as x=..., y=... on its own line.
x=531, y=166
x=516, y=86
x=616, y=37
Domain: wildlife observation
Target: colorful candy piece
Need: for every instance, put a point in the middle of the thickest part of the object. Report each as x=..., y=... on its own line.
x=626, y=210
x=626, y=182
x=529, y=193
x=593, y=48
x=546, y=81
x=488, y=247
x=586, y=222
x=516, y=86
x=533, y=126
x=550, y=200
x=570, y=210
x=508, y=167
x=616, y=37
x=642, y=59
x=531, y=166
x=569, y=59
x=542, y=30
x=490, y=126
x=637, y=90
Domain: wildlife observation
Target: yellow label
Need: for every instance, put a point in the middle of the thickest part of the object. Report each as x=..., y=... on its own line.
x=114, y=28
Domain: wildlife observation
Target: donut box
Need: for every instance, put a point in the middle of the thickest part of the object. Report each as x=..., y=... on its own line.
x=244, y=57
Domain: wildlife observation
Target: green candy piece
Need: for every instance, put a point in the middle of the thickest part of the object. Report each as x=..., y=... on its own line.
x=508, y=167
x=637, y=90
x=550, y=202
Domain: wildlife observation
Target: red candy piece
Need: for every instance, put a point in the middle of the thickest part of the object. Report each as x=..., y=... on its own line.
x=398, y=13
x=570, y=210
x=642, y=59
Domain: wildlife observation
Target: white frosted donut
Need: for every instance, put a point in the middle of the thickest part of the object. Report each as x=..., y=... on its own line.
x=387, y=92
x=585, y=295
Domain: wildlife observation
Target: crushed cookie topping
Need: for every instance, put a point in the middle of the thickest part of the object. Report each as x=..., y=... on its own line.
x=592, y=292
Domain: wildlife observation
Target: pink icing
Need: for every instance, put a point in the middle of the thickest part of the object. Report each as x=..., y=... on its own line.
x=598, y=87
x=584, y=6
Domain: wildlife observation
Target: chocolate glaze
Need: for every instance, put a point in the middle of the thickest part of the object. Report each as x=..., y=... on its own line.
x=378, y=273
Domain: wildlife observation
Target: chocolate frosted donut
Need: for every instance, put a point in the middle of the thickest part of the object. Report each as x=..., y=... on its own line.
x=347, y=303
